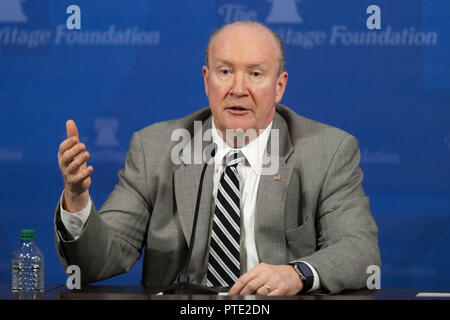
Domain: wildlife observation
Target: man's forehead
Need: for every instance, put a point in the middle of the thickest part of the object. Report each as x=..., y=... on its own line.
x=244, y=32
x=245, y=37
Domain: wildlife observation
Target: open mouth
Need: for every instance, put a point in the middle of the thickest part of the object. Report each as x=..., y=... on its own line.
x=237, y=110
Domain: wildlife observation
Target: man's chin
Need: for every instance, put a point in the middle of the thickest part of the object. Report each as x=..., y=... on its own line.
x=239, y=128
x=238, y=135
x=241, y=123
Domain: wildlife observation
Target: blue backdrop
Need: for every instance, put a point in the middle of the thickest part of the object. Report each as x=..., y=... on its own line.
x=138, y=62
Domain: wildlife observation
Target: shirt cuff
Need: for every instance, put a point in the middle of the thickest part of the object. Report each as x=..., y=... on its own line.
x=74, y=222
x=316, y=283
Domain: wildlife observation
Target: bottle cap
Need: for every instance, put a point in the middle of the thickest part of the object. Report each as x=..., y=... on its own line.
x=27, y=234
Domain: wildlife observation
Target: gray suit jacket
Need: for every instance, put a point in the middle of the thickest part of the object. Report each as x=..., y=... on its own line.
x=317, y=211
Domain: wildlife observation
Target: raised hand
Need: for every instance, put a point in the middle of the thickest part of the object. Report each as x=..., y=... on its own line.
x=72, y=159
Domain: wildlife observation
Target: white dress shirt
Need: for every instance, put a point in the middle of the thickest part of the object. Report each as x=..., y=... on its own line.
x=249, y=176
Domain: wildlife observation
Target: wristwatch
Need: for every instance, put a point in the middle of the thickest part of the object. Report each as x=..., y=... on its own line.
x=305, y=274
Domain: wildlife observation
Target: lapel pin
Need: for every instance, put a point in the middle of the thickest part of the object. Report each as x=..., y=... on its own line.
x=277, y=177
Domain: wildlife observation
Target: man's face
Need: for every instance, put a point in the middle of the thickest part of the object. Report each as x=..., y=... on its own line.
x=242, y=82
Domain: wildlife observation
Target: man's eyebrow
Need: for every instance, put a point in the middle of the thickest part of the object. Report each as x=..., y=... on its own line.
x=257, y=65
x=224, y=62
x=249, y=66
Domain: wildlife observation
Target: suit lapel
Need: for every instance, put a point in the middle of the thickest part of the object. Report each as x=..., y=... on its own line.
x=270, y=212
x=186, y=183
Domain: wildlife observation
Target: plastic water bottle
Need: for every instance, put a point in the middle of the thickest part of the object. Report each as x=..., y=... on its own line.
x=27, y=268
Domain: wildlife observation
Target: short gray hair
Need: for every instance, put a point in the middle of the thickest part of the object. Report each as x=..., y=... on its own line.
x=278, y=40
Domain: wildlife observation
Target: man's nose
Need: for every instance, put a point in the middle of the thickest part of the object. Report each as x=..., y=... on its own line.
x=239, y=87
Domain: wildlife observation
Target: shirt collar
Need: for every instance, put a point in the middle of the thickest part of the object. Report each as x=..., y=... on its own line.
x=253, y=152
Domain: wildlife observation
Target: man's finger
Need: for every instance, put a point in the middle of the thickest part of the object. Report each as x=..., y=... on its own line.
x=253, y=286
x=262, y=291
x=275, y=292
x=70, y=154
x=67, y=144
x=83, y=174
x=237, y=287
x=242, y=282
x=78, y=162
x=71, y=129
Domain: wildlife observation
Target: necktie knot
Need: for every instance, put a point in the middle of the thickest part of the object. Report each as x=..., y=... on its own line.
x=234, y=157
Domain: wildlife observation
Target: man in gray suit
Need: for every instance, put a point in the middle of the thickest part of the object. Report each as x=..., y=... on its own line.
x=305, y=227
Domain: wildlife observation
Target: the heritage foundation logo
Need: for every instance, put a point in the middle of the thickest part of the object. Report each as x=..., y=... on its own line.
x=106, y=132
x=21, y=34
x=106, y=146
x=289, y=20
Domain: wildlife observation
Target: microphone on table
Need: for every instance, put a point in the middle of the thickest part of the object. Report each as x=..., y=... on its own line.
x=186, y=287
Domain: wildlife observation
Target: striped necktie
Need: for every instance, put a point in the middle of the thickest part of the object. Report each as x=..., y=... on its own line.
x=224, y=256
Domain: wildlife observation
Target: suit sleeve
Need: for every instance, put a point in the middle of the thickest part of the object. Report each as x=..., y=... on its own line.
x=347, y=235
x=112, y=238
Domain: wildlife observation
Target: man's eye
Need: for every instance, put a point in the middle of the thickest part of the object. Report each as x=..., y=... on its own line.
x=224, y=71
x=256, y=74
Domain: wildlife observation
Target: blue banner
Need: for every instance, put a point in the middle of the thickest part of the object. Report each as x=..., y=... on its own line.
x=135, y=63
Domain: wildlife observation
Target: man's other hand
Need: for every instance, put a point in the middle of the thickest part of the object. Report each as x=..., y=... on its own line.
x=270, y=280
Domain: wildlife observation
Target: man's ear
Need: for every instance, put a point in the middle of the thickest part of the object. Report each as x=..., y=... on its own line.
x=205, y=71
x=281, y=86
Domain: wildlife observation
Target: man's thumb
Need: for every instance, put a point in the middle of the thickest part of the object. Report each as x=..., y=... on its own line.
x=71, y=129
